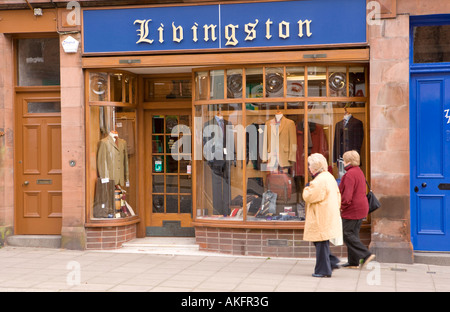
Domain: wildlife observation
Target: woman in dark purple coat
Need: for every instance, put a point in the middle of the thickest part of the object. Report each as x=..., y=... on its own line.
x=354, y=208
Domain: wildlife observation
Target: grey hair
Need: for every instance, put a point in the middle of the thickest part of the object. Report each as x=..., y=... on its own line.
x=317, y=163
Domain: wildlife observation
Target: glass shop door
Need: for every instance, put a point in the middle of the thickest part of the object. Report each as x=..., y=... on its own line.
x=168, y=176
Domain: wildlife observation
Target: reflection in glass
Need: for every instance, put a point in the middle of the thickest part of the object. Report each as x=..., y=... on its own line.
x=217, y=84
x=357, y=82
x=43, y=107
x=317, y=81
x=337, y=81
x=254, y=82
x=171, y=203
x=234, y=83
x=171, y=184
x=98, y=87
x=158, y=184
x=274, y=82
x=116, y=87
x=431, y=44
x=220, y=146
x=38, y=62
x=295, y=77
x=201, y=85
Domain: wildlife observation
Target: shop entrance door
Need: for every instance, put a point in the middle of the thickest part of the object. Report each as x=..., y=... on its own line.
x=430, y=161
x=168, y=181
x=38, y=185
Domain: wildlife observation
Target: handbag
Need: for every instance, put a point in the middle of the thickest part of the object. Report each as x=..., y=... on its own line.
x=374, y=203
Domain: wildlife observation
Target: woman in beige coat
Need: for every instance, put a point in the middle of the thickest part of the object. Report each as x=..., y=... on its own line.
x=323, y=221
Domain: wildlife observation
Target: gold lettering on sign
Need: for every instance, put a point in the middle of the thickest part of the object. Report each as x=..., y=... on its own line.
x=308, y=28
x=143, y=31
x=250, y=30
x=231, y=37
x=213, y=32
x=161, y=33
x=283, y=34
x=177, y=33
x=194, y=32
x=268, y=23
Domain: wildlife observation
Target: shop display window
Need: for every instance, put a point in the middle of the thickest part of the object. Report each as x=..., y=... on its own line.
x=112, y=146
x=251, y=146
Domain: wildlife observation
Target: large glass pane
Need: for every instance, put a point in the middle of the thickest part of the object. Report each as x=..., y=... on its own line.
x=217, y=84
x=219, y=140
x=273, y=136
x=317, y=85
x=431, y=44
x=254, y=82
x=116, y=87
x=38, y=62
x=234, y=83
x=357, y=81
x=295, y=77
x=201, y=85
x=113, y=157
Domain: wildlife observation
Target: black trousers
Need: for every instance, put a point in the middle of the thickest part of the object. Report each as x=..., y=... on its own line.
x=355, y=249
x=221, y=186
x=325, y=260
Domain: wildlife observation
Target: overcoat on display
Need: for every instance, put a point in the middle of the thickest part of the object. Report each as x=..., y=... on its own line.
x=323, y=201
x=112, y=160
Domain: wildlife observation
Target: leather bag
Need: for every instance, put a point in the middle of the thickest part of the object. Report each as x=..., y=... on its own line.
x=280, y=183
x=374, y=203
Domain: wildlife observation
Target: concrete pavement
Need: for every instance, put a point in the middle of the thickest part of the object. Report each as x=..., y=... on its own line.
x=26, y=269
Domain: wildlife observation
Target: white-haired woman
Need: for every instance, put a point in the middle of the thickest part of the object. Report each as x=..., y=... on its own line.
x=323, y=221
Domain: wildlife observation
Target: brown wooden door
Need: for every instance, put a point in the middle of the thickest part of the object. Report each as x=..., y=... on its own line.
x=38, y=163
x=168, y=180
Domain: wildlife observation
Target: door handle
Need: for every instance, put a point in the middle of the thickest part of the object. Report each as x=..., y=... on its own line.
x=26, y=183
x=424, y=184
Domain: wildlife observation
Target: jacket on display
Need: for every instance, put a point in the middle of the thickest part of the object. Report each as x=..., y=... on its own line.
x=283, y=133
x=112, y=160
x=323, y=201
x=317, y=143
x=347, y=137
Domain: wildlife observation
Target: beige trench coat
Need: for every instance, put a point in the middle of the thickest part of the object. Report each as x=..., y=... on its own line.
x=323, y=202
x=112, y=160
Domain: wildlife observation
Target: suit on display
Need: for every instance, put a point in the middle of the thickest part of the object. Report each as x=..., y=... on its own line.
x=219, y=160
x=348, y=136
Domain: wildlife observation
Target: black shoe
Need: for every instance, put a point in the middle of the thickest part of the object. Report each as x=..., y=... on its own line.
x=350, y=266
x=320, y=275
x=336, y=267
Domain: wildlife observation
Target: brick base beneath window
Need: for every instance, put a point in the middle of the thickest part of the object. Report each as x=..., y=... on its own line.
x=264, y=242
x=111, y=237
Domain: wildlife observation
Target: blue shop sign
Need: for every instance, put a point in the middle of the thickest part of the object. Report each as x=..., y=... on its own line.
x=224, y=26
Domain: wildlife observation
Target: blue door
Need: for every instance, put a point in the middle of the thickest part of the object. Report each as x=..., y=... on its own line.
x=430, y=161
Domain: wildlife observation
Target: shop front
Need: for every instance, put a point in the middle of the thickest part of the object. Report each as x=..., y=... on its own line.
x=196, y=119
x=216, y=108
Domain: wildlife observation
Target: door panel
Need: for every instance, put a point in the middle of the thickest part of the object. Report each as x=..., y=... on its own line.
x=168, y=182
x=38, y=164
x=430, y=162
